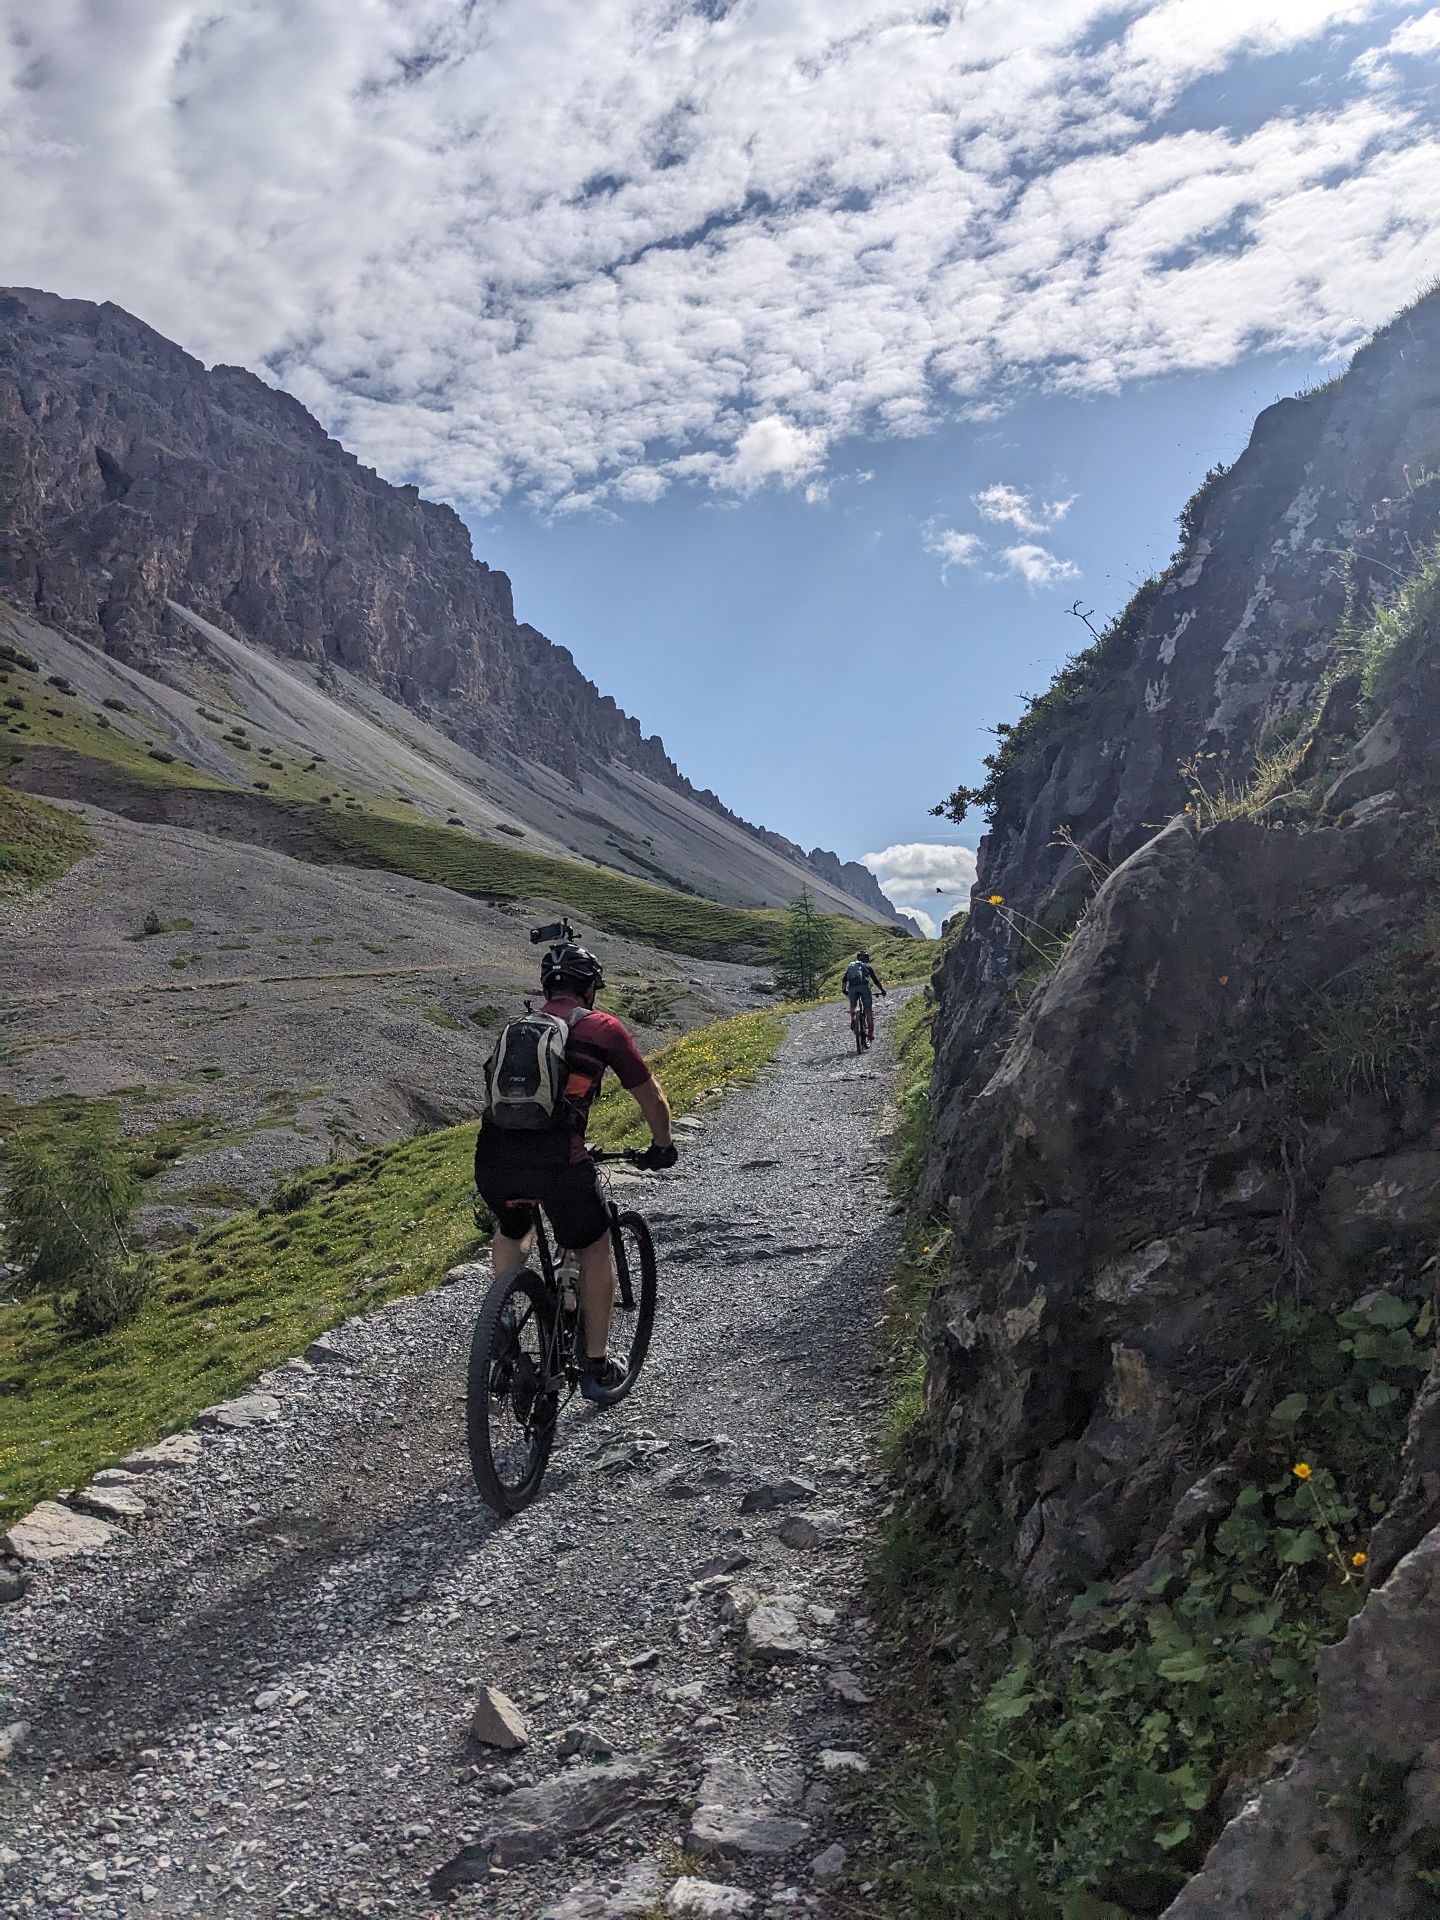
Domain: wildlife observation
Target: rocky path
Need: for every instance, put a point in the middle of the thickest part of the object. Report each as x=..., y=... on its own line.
x=262, y=1702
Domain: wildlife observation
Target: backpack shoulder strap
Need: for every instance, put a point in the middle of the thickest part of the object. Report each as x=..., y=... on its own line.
x=573, y=1019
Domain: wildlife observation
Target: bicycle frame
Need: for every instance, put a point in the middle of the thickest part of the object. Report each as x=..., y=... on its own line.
x=561, y=1371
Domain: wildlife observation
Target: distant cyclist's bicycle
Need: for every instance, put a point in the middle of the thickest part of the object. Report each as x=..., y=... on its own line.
x=859, y=1026
x=528, y=1347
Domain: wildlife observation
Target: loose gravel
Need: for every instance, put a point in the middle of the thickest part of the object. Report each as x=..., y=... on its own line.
x=258, y=1701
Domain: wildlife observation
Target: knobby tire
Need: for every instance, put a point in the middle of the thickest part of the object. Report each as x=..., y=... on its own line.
x=484, y=1409
x=636, y=1273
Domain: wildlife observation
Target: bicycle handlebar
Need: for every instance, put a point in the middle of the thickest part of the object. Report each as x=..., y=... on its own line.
x=633, y=1154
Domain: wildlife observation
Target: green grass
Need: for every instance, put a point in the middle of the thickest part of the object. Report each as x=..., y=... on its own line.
x=915, y=1056
x=91, y=736
x=1400, y=634
x=250, y=1291
x=899, y=960
x=379, y=834
x=149, y=1153
x=37, y=842
x=655, y=916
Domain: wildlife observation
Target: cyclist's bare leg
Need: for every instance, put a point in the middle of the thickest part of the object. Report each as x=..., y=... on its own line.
x=597, y=1294
x=508, y=1256
x=870, y=1020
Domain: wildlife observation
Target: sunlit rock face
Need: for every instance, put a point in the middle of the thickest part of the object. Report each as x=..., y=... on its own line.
x=1188, y=1065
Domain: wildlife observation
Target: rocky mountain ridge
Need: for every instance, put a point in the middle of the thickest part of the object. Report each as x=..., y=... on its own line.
x=1186, y=1147
x=134, y=482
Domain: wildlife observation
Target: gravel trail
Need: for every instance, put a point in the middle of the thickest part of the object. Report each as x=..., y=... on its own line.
x=261, y=1703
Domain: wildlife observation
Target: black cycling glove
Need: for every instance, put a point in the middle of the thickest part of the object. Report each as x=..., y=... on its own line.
x=654, y=1158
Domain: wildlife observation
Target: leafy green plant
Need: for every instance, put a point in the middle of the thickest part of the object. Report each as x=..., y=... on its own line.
x=1084, y=1778
x=67, y=1205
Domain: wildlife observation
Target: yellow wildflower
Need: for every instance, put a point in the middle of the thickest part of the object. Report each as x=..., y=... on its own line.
x=1359, y=1559
x=997, y=900
x=1303, y=1471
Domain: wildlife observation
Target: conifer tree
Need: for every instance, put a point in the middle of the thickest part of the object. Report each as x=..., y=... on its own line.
x=804, y=951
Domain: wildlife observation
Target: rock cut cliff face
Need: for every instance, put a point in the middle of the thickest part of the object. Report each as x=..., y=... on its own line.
x=133, y=479
x=1223, y=1100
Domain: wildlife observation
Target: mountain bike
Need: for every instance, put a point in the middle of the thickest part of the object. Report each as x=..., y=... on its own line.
x=859, y=1026
x=528, y=1347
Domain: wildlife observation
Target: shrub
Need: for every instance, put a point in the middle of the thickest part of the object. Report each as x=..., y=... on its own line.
x=67, y=1204
x=16, y=657
x=159, y=753
x=115, y=706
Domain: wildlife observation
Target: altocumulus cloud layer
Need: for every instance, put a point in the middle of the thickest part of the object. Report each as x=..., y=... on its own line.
x=592, y=249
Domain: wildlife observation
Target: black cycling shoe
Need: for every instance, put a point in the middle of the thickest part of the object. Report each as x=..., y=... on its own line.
x=601, y=1377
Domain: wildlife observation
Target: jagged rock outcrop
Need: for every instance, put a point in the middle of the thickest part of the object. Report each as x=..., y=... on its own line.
x=1223, y=1099
x=1326, y=507
x=858, y=882
x=131, y=478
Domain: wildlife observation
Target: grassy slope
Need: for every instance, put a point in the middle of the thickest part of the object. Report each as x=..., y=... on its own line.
x=37, y=842
x=380, y=830
x=248, y=1293
x=675, y=922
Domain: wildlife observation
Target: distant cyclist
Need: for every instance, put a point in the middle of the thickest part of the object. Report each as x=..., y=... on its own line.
x=538, y=1153
x=859, y=977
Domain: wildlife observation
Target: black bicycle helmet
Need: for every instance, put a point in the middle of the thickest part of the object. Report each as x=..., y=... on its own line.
x=571, y=966
x=863, y=956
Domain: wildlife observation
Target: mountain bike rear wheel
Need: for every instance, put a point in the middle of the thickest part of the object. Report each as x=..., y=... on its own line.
x=509, y=1414
x=636, y=1288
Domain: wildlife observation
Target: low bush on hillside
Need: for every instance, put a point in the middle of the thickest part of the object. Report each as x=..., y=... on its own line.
x=68, y=1202
x=248, y=1292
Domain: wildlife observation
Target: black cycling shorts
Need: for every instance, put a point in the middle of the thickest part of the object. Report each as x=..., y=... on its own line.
x=569, y=1191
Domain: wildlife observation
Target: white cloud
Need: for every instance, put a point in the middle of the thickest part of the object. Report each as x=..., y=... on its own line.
x=1416, y=39
x=1037, y=566
x=584, y=250
x=929, y=880
x=1002, y=502
x=770, y=449
x=955, y=549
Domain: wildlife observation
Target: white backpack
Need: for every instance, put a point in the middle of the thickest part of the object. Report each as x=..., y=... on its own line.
x=526, y=1072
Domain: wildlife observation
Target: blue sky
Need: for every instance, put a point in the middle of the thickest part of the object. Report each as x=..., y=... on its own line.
x=801, y=359
x=816, y=662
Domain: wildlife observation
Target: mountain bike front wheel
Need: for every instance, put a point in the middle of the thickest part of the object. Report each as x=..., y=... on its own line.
x=510, y=1402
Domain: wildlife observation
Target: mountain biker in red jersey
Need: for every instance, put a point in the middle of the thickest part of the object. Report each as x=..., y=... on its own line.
x=858, y=977
x=515, y=1170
